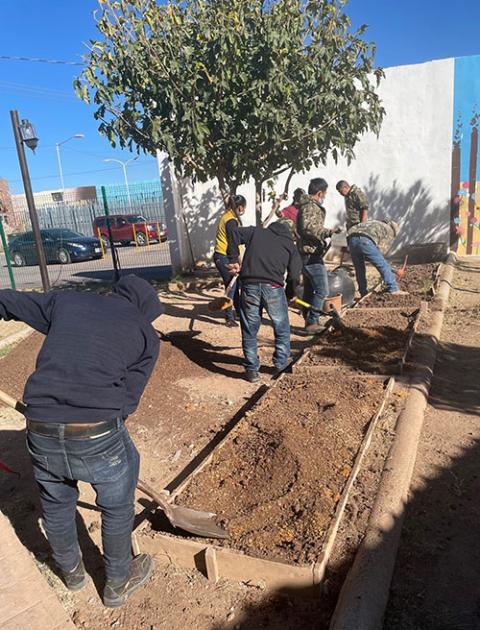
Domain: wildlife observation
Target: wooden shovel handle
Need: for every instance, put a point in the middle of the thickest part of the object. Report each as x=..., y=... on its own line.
x=12, y=402
x=159, y=499
x=230, y=284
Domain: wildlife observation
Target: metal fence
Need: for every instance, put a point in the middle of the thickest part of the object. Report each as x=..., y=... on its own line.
x=75, y=227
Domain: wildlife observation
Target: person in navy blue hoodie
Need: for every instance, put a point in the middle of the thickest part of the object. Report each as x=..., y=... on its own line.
x=98, y=354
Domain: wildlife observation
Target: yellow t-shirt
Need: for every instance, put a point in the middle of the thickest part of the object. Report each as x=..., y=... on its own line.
x=221, y=241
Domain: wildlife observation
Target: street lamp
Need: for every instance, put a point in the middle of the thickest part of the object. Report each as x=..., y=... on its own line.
x=24, y=133
x=124, y=166
x=57, y=147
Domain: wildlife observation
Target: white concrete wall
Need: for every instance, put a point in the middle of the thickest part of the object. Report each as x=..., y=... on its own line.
x=406, y=171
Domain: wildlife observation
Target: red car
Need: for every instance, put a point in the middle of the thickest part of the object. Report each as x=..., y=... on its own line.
x=130, y=228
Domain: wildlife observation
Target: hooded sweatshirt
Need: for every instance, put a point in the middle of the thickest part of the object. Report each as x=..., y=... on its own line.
x=269, y=253
x=98, y=354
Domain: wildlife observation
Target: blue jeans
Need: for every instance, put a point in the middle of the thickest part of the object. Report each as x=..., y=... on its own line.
x=221, y=263
x=364, y=249
x=254, y=298
x=315, y=279
x=110, y=464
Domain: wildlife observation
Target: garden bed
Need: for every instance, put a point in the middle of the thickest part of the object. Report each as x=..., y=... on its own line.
x=277, y=479
x=367, y=349
x=399, y=319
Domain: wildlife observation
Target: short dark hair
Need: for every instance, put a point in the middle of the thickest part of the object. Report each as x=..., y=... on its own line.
x=236, y=201
x=341, y=184
x=318, y=184
x=297, y=193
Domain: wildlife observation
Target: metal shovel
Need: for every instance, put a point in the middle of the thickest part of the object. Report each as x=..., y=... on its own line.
x=193, y=521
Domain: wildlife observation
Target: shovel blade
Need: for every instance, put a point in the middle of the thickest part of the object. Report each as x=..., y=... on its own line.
x=196, y=522
x=220, y=304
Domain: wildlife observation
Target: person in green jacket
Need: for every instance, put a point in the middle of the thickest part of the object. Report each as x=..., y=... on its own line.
x=368, y=242
x=313, y=243
x=356, y=203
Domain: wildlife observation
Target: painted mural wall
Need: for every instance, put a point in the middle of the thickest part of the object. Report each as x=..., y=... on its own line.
x=465, y=207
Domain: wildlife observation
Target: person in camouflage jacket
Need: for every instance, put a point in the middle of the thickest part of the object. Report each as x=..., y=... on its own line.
x=368, y=242
x=312, y=243
x=356, y=203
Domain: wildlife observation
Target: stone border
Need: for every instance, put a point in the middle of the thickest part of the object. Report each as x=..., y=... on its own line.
x=16, y=337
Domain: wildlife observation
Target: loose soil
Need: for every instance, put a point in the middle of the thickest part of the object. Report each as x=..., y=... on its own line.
x=388, y=300
x=398, y=319
x=276, y=481
x=418, y=281
x=368, y=349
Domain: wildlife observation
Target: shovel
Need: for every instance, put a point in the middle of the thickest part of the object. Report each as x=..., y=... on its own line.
x=337, y=321
x=193, y=521
x=224, y=302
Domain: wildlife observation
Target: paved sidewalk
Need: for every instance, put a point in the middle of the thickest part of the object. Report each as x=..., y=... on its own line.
x=26, y=599
x=436, y=583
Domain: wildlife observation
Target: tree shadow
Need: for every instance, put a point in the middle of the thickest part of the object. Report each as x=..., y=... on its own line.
x=424, y=227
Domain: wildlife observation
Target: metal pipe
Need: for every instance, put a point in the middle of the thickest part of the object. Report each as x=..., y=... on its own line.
x=7, y=254
x=116, y=264
x=42, y=263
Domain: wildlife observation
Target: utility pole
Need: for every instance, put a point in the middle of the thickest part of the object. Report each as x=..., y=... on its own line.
x=57, y=148
x=25, y=133
x=125, y=176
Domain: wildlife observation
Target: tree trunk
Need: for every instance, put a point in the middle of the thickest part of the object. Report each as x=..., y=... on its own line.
x=258, y=202
x=227, y=187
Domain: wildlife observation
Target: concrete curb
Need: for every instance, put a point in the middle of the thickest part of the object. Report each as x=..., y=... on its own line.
x=364, y=596
x=16, y=337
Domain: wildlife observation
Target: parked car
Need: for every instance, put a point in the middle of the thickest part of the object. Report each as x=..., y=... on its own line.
x=60, y=245
x=126, y=228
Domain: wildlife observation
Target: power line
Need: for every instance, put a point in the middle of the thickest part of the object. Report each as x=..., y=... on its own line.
x=97, y=170
x=33, y=90
x=41, y=60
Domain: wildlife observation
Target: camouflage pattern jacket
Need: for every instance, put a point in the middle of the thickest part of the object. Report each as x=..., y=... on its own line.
x=382, y=233
x=311, y=232
x=355, y=201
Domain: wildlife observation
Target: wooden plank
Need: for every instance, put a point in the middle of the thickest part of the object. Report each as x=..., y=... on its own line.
x=322, y=562
x=232, y=565
x=348, y=371
x=211, y=564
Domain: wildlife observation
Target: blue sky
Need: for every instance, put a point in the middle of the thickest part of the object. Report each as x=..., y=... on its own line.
x=406, y=31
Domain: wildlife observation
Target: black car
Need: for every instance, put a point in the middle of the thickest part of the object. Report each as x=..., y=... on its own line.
x=60, y=245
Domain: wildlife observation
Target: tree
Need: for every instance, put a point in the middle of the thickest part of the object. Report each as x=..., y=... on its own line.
x=232, y=89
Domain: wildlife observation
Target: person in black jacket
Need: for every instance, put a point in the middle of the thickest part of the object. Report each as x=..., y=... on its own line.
x=270, y=254
x=98, y=354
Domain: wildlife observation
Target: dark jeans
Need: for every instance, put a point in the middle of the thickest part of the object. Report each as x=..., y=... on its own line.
x=315, y=279
x=364, y=249
x=254, y=298
x=221, y=263
x=110, y=464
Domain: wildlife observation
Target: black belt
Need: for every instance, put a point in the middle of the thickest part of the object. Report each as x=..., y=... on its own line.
x=73, y=430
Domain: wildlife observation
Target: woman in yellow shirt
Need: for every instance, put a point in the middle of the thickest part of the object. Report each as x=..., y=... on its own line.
x=225, y=231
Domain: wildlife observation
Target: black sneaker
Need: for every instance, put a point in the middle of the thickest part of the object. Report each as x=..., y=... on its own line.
x=252, y=376
x=231, y=323
x=76, y=579
x=116, y=593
